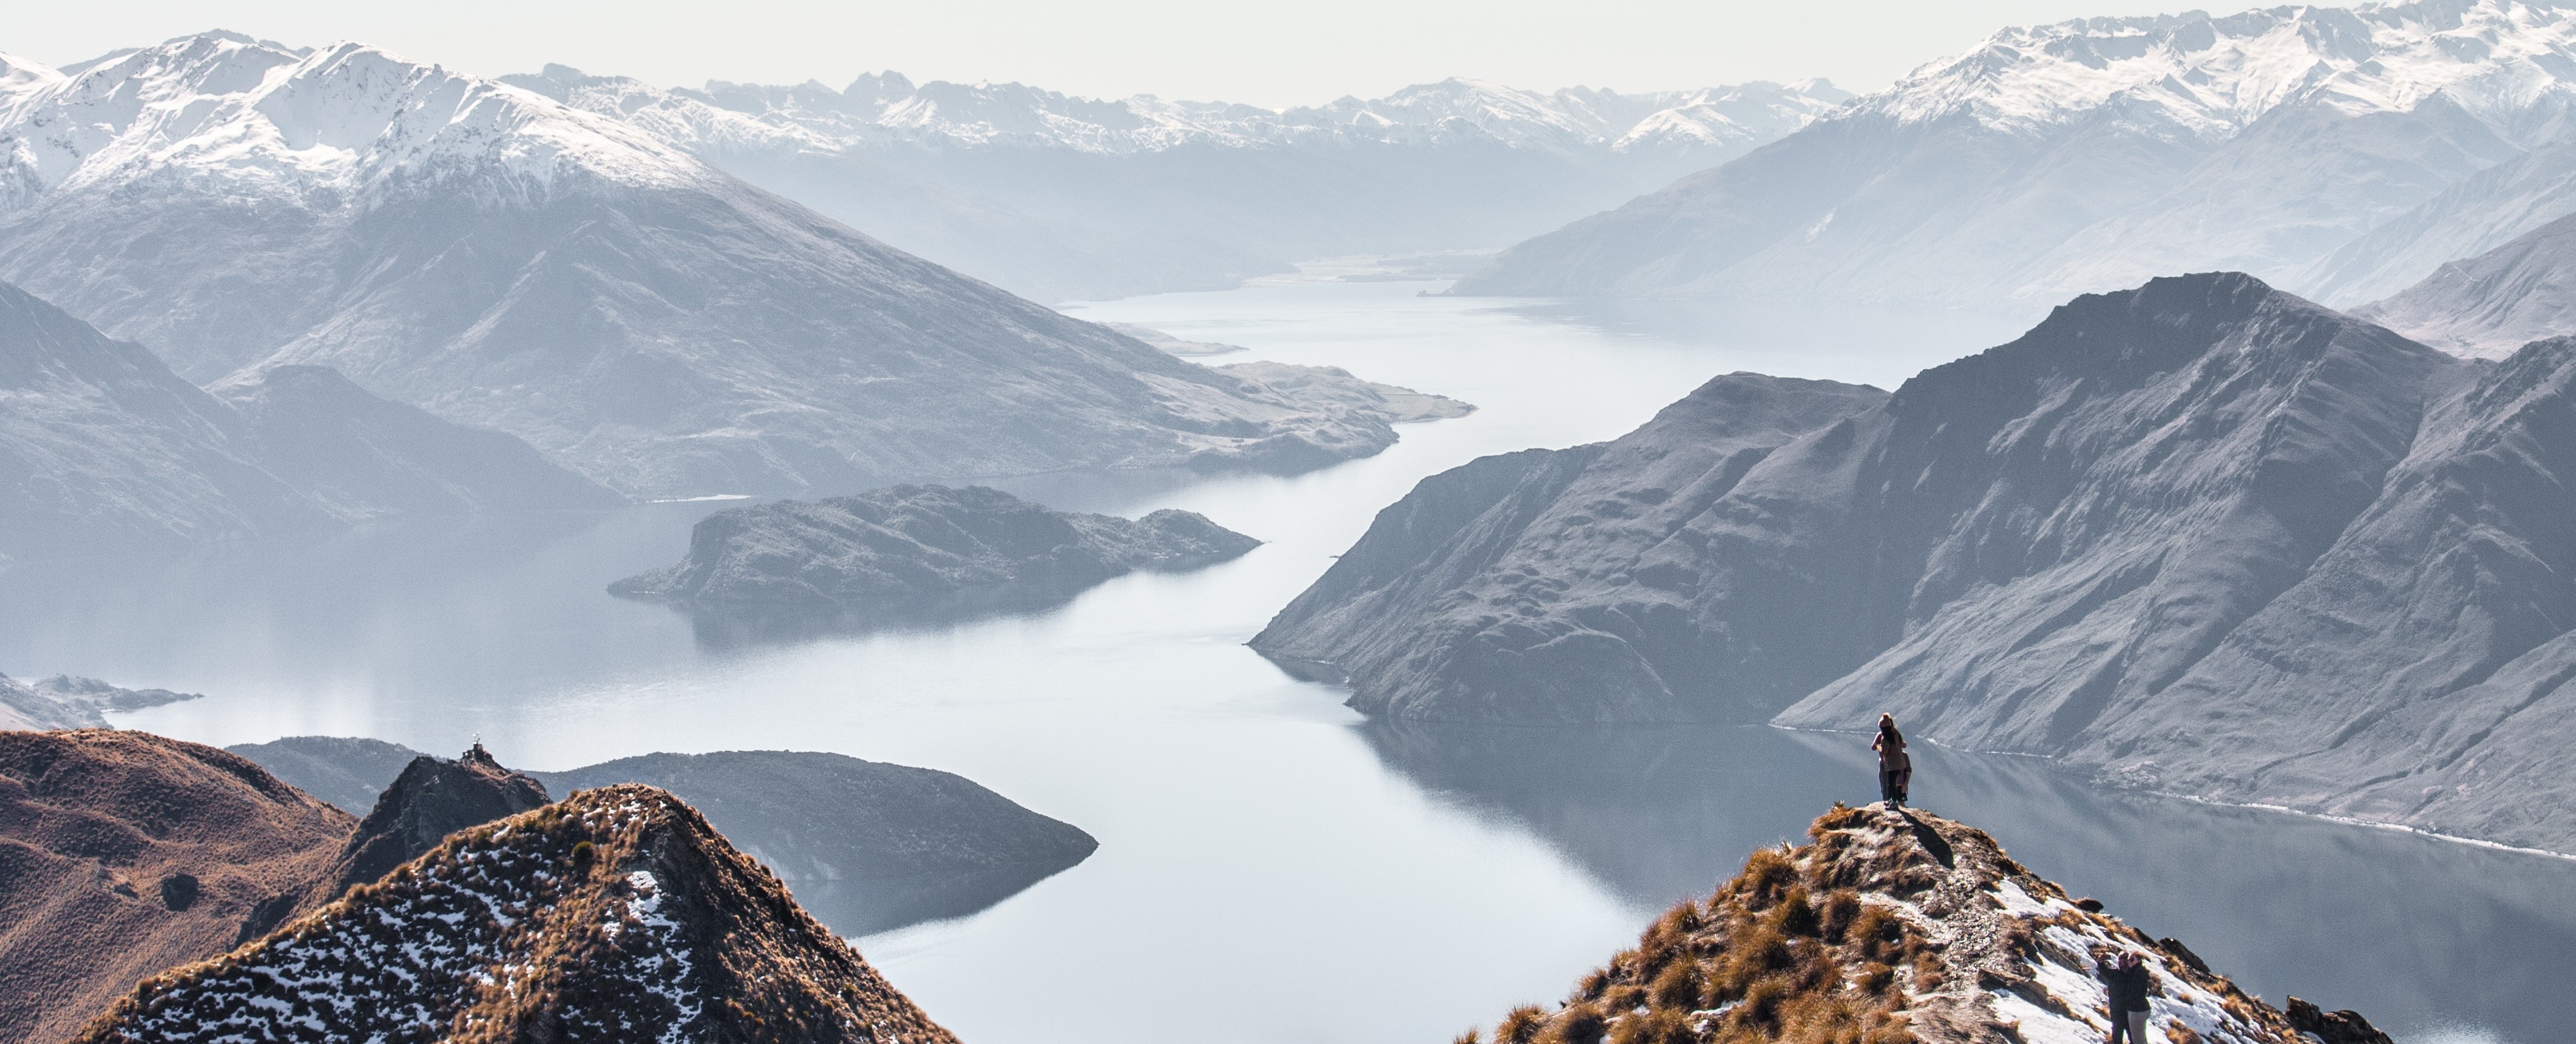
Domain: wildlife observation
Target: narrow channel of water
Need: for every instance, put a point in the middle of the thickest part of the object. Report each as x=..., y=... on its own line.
x=1272, y=868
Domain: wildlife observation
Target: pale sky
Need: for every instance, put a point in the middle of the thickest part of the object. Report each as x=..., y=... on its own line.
x=1274, y=53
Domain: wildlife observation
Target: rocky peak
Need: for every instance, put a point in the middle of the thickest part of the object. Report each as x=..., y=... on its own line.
x=434, y=797
x=1896, y=926
x=615, y=914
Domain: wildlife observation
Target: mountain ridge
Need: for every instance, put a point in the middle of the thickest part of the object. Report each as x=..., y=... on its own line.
x=2200, y=537
x=2090, y=155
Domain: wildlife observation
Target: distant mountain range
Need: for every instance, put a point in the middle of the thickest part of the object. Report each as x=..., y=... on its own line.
x=1058, y=197
x=505, y=261
x=2201, y=536
x=2093, y=154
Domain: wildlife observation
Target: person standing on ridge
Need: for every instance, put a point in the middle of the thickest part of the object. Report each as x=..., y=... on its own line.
x=1895, y=769
x=2126, y=981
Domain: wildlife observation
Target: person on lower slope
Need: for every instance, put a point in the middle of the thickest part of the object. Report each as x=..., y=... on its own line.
x=1895, y=769
x=2126, y=981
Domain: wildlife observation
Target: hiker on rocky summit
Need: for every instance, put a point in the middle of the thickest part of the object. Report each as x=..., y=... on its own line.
x=2126, y=981
x=1895, y=769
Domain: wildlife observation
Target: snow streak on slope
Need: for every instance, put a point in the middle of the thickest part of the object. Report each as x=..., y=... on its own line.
x=616, y=914
x=262, y=121
x=2216, y=76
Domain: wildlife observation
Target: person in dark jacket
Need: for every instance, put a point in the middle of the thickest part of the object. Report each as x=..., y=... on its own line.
x=1895, y=769
x=2125, y=979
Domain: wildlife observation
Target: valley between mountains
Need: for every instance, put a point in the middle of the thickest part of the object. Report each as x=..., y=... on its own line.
x=924, y=561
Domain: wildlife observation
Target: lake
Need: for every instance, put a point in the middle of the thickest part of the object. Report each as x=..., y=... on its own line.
x=1272, y=867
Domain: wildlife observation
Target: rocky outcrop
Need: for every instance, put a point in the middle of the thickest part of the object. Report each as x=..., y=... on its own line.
x=434, y=797
x=1545, y=585
x=917, y=551
x=1891, y=927
x=66, y=702
x=616, y=914
x=869, y=846
x=2200, y=537
x=124, y=853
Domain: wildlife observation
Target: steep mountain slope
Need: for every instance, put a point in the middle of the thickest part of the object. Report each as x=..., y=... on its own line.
x=2092, y=154
x=123, y=853
x=2201, y=536
x=1058, y=197
x=502, y=260
x=102, y=448
x=2486, y=306
x=100, y=444
x=362, y=456
x=1902, y=927
x=615, y=914
x=2476, y=215
x=432, y=798
x=1525, y=586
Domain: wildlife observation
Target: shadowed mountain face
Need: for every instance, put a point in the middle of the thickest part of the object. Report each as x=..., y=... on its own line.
x=346, y=771
x=869, y=846
x=123, y=853
x=617, y=914
x=499, y=259
x=1538, y=586
x=103, y=449
x=434, y=797
x=2200, y=536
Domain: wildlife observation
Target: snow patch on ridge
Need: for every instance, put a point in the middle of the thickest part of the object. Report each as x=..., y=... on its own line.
x=2212, y=77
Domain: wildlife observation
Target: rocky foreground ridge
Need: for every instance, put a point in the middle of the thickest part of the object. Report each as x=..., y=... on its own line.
x=2200, y=536
x=1897, y=928
x=125, y=855
x=617, y=913
x=909, y=550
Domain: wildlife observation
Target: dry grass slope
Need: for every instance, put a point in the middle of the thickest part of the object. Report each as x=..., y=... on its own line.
x=123, y=853
x=1886, y=928
x=617, y=914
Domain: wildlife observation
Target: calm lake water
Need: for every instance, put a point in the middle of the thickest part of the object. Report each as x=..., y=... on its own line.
x=1272, y=867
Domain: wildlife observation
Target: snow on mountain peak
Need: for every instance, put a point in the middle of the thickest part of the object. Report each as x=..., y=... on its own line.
x=262, y=120
x=2213, y=76
x=888, y=107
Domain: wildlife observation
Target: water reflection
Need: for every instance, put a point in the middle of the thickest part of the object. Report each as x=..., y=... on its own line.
x=2418, y=933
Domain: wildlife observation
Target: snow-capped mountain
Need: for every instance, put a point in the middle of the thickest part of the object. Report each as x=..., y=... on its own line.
x=508, y=261
x=1062, y=197
x=2094, y=153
